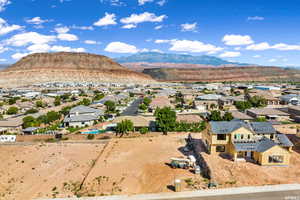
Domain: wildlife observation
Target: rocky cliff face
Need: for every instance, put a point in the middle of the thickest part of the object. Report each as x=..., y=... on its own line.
x=83, y=67
x=220, y=74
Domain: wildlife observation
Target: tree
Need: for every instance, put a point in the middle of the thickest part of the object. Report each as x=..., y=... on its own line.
x=147, y=101
x=31, y=111
x=12, y=110
x=243, y=105
x=12, y=101
x=227, y=116
x=258, y=101
x=110, y=106
x=39, y=104
x=65, y=110
x=57, y=101
x=85, y=102
x=165, y=119
x=144, y=130
x=29, y=121
x=124, y=127
x=215, y=115
x=260, y=119
x=142, y=107
x=98, y=96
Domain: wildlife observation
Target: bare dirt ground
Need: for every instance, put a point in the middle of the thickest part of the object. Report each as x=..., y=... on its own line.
x=139, y=165
x=122, y=166
x=28, y=172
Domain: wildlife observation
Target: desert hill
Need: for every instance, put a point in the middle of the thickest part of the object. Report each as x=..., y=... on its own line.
x=63, y=66
x=220, y=74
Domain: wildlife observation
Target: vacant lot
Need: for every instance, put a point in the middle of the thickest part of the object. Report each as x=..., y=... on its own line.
x=139, y=165
x=123, y=166
x=28, y=172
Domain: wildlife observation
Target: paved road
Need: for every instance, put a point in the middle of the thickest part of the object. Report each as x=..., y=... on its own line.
x=132, y=110
x=287, y=195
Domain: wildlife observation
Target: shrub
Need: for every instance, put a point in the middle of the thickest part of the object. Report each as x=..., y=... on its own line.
x=90, y=137
x=12, y=110
x=144, y=130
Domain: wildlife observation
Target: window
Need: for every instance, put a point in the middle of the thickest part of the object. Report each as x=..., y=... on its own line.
x=235, y=137
x=242, y=136
x=221, y=137
x=249, y=137
x=272, y=136
x=220, y=148
x=275, y=159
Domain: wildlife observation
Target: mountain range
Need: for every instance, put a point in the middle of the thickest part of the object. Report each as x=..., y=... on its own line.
x=155, y=57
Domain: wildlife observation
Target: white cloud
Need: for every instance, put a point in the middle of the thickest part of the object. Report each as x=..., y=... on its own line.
x=158, y=27
x=114, y=2
x=5, y=28
x=61, y=30
x=64, y=35
x=266, y=46
x=37, y=21
x=3, y=60
x=108, y=19
x=234, y=40
x=91, y=42
x=192, y=46
x=188, y=27
x=259, y=47
x=143, y=17
x=230, y=54
x=67, y=37
x=255, y=18
x=3, y=3
x=142, y=2
x=18, y=56
x=3, y=49
x=161, y=2
x=272, y=60
x=26, y=38
x=129, y=26
x=38, y=48
x=120, y=47
x=256, y=56
x=66, y=49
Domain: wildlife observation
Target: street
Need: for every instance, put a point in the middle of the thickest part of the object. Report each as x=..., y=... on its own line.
x=132, y=110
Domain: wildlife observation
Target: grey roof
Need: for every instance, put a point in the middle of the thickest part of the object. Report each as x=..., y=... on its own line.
x=262, y=127
x=251, y=146
x=80, y=118
x=209, y=97
x=30, y=129
x=287, y=97
x=225, y=127
x=284, y=140
x=85, y=109
x=265, y=144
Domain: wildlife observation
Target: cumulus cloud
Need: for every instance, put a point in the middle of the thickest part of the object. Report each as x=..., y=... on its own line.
x=18, y=56
x=266, y=46
x=90, y=28
x=37, y=21
x=272, y=60
x=143, y=17
x=64, y=35
x=5, y=28
x=192, y=46
x=108, y=19
x=129, y=26
x=230, y=54
x=161, y=2
x=120, y=47
x=3, y=4
x=26, y=38
x=39, y=48
x=3, y=49
x=234, y=40
x=158, y=27
x=188, y=27
x=91, y=42
x=66, y=49
x=256, y=56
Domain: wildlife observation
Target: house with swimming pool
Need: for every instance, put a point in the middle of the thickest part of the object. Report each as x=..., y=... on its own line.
x=257, y=142
x=82, y=116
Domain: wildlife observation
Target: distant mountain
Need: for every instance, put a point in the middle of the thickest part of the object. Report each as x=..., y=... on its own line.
x=68, y=67
x=154, y=57
x=3, y=66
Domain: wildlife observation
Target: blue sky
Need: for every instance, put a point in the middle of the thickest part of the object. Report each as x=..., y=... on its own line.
x=265, y=32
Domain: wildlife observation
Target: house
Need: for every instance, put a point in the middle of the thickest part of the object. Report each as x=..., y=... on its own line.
x=294, y=112
x=227, y=103
x=30, y=130
x=241, y=116
x=8, y=138
x=290, y=99
x=81, y=116
x=255, y=141
x=12, y=125
x=188, y=118
x=206, y=102
x=268, y=113
x=160, y=102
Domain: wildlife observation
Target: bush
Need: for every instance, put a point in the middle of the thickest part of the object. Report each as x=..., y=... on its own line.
x=144, y=130
x=31, y=111
x=90, y=137
x=12, y=110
